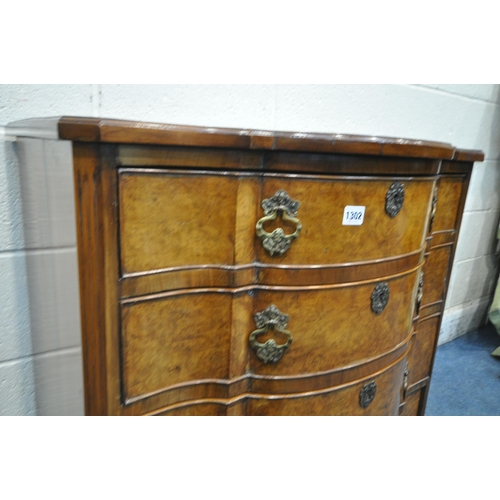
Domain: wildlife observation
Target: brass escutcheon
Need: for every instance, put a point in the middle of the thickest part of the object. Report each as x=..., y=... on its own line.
x=380, y=297
x=367, y=394
x=394, y=199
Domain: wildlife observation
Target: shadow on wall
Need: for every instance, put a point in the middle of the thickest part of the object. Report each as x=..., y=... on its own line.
x=17, y=378
x=50, y=282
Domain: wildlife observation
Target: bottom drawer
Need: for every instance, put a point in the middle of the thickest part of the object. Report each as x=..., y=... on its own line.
x=379, y=394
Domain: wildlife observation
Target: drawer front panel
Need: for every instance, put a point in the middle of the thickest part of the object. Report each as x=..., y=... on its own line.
x=342, y=401
x=448, y=198
x=324, y=239
x=197, y=343
x=420, y=358
x=172, y=220
x=435, y=272
x=202, y=226
x=176, y=340
x=336, y=327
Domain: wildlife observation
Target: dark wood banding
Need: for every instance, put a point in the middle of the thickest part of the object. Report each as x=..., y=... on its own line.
x=136, y=284
x=144, y=157
x=148, y=170
x=249, y=288
x=129, y=156
x=90, y=239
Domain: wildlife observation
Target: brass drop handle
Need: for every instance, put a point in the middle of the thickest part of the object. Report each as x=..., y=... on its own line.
x=278, y=242
x=270, y=351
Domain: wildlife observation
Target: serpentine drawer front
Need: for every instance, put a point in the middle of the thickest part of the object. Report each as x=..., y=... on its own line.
x=236, y=272
x=173, y=220
x=185, y=337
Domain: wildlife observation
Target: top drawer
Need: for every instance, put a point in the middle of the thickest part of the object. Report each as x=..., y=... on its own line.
x=171, y=220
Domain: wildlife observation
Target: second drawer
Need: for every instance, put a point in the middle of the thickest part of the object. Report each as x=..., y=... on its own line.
x=183, y=338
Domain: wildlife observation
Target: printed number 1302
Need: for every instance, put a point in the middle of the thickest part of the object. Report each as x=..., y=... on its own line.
x=354, y=215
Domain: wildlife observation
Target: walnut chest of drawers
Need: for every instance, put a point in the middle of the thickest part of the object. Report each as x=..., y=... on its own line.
x=239, y=272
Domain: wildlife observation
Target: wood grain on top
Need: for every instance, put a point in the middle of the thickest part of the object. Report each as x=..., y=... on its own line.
x=134, y=132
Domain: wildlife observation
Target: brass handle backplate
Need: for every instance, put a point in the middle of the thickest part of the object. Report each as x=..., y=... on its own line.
x=270, y=351
x=278, y=242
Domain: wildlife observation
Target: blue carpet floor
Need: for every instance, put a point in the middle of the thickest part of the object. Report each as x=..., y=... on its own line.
x=466, y=378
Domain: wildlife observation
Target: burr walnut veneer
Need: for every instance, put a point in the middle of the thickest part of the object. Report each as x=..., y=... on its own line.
x=239, y=272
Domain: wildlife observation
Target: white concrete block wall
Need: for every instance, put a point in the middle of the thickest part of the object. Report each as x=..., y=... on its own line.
x=39, y=322
x=40, y=368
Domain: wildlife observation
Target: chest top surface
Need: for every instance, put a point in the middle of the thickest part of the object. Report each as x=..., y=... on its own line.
x=102, y=130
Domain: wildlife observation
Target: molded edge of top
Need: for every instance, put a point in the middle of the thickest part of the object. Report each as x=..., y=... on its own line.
x=134, y=132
